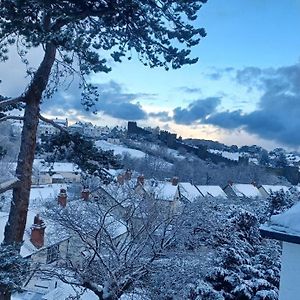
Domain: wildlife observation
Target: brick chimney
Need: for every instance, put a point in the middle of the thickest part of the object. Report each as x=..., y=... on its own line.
x=140, y=180
x=62, y=198
x=175, y=181
x=127, y=175
x=85, y=193
x=37, y=232
x=121, y=179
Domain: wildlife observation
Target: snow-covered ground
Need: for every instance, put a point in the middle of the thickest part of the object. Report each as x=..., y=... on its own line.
x=119, y=149
x=226, y=154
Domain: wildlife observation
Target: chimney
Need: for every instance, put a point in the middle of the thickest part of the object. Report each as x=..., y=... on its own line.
x=140, y=180
x=62, y=198
x=230, y=182
x=85, y=193
x=254, y=183
x=120, y=179
x=127, y=175
x=175, y=180
x=37, y=232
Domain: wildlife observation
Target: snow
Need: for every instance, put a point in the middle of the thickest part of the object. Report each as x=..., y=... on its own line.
x=189, y=191
x=288, y=221
x=275, y=188
x=56, y=167
x=230, y=155
x=119, y=149
x=246, y=190
x=162, y=190
x=290, y=275
x=44, y=193
x=41, y=287
x=211, y=190
x=52, y=234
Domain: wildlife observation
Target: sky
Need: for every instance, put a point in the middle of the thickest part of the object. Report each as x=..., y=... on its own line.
x=245, y=89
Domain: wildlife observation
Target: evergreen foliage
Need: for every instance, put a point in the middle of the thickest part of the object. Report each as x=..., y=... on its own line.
x=13, y=269
x=81, y=151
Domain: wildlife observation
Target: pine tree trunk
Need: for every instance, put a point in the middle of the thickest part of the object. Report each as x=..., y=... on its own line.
x=14, y=229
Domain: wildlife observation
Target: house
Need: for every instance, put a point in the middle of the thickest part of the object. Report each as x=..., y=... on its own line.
x=188, y=192
x=57, y=172
x=165, y=193
x=267, y=190
x=42, y=285
x=241, y=191
x=285, y=227
x=214, y=191
x=44, y=241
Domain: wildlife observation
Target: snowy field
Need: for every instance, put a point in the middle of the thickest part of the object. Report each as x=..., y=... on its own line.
x=119, y=149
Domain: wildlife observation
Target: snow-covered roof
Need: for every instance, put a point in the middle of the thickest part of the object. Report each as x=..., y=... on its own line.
x=44, y=193
x=52, y=234
x=211, y=190
x=162, y=190
x=275, y=188
x=41, y=287
x=189, y=191
x=245, y=190
x=284, y=226
x=56, y=167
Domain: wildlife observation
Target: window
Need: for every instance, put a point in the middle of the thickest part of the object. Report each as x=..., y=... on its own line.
x=52, y=253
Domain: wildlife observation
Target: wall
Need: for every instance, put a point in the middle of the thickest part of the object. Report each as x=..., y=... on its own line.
x=290, y=276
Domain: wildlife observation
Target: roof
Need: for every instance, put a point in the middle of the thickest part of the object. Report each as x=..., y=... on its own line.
x=189, y=191
x=56, y=167
x=284, y=226
x=211, y=190
x=52, y=234
x=275, y=188
x=162, y=190
x=246, y=190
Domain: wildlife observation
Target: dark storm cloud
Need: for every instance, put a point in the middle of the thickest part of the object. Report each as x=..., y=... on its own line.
x=113, y=101
x=278, y=113
x=196, y=110
x=162, y=116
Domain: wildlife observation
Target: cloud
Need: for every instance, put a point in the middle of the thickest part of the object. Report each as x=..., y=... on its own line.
x=190, y=90
x=277, y=115
x=113, y=101
x=196, y=110
x=218, y=73
x=162, y=116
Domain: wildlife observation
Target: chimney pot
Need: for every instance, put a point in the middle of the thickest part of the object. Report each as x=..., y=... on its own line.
x=38, y=232
x=62, y=198
x=121, y=179
x=175, y=180
x=85, y=193
x=141, y=180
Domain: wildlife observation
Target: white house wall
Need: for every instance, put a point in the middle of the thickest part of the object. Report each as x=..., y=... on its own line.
x=290, y=275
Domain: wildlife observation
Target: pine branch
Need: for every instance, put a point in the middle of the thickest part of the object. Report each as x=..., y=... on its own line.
x=13, y=101
x=11, y=118
x=51, y=122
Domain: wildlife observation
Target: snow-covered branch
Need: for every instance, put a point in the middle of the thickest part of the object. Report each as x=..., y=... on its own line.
x=13, y=101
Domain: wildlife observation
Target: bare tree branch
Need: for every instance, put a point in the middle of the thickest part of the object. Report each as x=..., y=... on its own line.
x=8, y=185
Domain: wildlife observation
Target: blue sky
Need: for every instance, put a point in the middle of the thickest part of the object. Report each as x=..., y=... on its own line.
x=261, y=34
x=243, y=90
